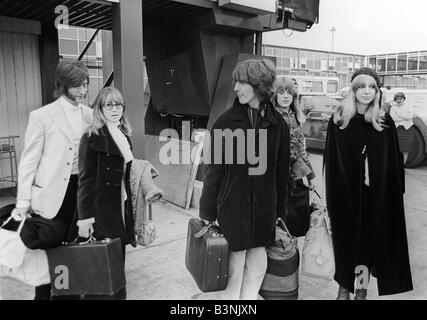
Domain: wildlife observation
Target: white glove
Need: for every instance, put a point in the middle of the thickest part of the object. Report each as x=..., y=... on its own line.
x=85, y=228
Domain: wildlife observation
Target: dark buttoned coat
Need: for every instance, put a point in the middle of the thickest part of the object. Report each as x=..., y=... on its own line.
x=247, y=206
x=101, y=170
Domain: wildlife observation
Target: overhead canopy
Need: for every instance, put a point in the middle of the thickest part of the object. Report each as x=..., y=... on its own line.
x=97, y=14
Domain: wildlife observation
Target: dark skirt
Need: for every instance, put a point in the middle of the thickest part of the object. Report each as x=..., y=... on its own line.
x=406, y=138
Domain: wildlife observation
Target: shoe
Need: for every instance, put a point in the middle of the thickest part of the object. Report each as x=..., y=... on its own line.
x=343, y=294
x=360, y=294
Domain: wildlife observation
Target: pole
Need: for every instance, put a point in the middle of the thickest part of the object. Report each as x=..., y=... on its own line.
x=332, y=30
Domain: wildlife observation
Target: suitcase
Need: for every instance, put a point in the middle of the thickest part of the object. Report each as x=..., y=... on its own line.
x=206, y=256
x=89, y=268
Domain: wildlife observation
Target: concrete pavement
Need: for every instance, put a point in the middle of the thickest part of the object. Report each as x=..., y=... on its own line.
x=158, y=271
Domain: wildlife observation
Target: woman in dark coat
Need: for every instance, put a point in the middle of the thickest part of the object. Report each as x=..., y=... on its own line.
x=104, y=162
x=364, y=193
x=246, y=198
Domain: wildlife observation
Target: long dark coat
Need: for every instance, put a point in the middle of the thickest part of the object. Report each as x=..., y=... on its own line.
x=344, y=174
x=246, y=206
x=101, y=168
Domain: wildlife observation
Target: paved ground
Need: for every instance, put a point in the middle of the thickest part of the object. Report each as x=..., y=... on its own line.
x=158, y=272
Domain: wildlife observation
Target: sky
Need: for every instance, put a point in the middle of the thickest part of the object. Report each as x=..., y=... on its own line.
x=362, y=27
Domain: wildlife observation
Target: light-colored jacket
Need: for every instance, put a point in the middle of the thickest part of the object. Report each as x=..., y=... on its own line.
x=47, y=160
x=142, y=188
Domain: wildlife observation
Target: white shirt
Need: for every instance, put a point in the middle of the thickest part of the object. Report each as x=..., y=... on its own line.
x=402, y=115
x=75, y=118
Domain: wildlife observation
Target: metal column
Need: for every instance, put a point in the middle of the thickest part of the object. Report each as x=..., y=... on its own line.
x=128, y=66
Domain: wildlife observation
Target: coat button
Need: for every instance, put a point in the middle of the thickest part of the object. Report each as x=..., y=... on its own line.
x=108, y=154
x=107, y=183
x=68, y=163
x=71, y=149
x=108, y=168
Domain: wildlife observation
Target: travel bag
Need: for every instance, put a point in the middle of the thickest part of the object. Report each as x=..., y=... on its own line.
x=207, y=255
x=87, y=268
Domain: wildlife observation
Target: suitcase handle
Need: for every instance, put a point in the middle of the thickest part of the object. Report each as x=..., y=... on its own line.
x=216, y=231
x=91, y=240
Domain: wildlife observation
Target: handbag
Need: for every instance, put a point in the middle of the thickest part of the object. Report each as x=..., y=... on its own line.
x=318, y=254
x=281, y=278
x=298, y=216
x=146, y=233
x=20, y=263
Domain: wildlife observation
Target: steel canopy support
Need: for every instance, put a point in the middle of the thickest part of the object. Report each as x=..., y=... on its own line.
x=128, y=66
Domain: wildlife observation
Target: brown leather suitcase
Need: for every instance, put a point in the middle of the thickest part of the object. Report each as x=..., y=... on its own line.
x=94, y=268
x=206, y=256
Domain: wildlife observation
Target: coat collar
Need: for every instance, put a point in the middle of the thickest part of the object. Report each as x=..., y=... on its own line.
x=57, y=113
x=240, y=115
x=104, y=142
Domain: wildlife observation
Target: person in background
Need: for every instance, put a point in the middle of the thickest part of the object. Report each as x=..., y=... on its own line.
x=402, y=115
x=247, y=206
x=285, y=101
x=364, y=179
x=48, y=168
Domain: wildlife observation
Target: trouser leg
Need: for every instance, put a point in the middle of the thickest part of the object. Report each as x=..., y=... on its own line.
x=253, y=273
x=65, y=213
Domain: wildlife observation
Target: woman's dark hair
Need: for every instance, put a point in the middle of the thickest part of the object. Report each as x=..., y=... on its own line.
x=69, y=74
x=260, y=74
x=399, y=95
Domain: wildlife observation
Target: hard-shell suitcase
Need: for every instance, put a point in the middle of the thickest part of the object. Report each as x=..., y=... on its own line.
x=91, y=268
x=206, y=256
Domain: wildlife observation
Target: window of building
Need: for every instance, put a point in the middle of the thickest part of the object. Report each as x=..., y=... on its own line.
x=412, y=62
x=92, y=48
x=350, y=64
x=372, y=63
x=381, y=64
x=268, y=51
x=357, y=63
x=401, y=62
x=331, y=63
x=338, y=63
x=68, y=47
x=423, y=62
x=332, y=86
x=85, y=34
x=67, y=33
x=391, y=63
x=303, y=60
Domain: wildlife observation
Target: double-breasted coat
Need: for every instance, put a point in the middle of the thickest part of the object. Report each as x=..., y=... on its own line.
x=247, y=206
x=101, y=170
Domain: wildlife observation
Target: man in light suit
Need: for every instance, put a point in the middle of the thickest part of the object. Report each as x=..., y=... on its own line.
x=48, y=169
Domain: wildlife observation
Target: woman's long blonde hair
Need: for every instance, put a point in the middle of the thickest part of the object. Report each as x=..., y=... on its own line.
x=285, y=83
x=112, y=95
x=348, y=110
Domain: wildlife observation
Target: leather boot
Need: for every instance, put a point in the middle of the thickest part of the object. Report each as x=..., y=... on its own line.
x=360, y=294
x=343, y=294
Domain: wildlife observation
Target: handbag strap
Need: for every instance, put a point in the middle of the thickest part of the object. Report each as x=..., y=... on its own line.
x=283, y=225
x=21, y=225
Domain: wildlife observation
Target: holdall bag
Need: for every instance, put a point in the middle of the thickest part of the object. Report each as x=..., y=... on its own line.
x=87, y=268
x=17, y=261
x=298, y=216
x=281, y=278
x=207, y=255
x=318, y=254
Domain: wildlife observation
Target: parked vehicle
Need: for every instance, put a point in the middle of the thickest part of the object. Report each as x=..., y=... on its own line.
x=319, y=109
